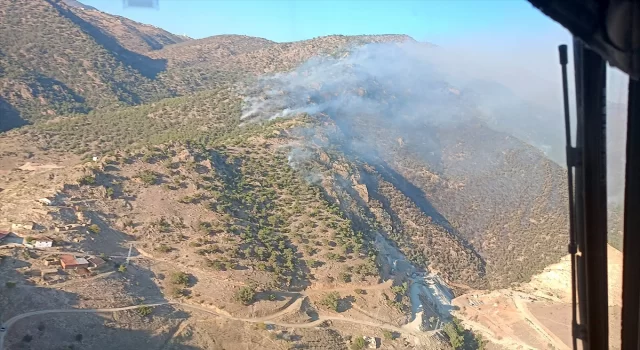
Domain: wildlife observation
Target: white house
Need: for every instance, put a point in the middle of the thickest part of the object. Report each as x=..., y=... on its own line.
x=39, y=242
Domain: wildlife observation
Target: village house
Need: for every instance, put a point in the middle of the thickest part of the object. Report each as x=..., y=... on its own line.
x=71, y=262
x=51, y=262
x=38, y=242
x=82, y=272
x=4, y=234
x=96, y=263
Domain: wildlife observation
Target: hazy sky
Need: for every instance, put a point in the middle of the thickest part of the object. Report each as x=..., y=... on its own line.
x=289, y=20
x=503, y=33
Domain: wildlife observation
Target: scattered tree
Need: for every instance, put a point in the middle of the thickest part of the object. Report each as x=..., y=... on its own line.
x=148, y=177
x=144, y=310
x=180, y=278
x=331, y=301
x=456, y=339
x=94, y=228
x=344, y=277
x=87, y=180
x=358, y=343
x=246, y=295
x=163, y=248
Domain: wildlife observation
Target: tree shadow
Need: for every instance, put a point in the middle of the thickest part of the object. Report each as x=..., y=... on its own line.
x=10, y=117
x=346, y=303
x=309, y=310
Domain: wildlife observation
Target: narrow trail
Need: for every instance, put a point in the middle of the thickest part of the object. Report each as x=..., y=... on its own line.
x=422, y=336
x=384, y=285
x=7, y=325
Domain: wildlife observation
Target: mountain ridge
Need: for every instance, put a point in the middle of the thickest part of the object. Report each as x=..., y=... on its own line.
x=443, y=186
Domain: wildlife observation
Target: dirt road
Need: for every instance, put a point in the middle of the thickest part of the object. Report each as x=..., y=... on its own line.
x=422, y=337
x=7, y=325
x=543, y=331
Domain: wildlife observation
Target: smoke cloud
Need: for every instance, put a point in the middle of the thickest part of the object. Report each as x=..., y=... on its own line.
x=410, y=89
x=402, y=86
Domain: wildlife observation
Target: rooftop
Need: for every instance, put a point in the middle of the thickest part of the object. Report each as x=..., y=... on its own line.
x=68, y=259
x=96, y=261
x=81, y=261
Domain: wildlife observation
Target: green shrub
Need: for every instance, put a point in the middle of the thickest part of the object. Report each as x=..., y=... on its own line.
x=148, y=177
x=344, y=277
x=87, y=180
x=401, y=289
x=180, y=278
x=144, y=310
x=94, y=228
x=331, y=301
x=245, y=295
x=163, y=248
x=216, y=265
x=358, y=343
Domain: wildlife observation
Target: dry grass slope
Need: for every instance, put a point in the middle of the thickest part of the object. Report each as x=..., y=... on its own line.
x=133, y=36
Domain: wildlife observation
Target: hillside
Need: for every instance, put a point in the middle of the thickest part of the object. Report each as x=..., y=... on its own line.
x=501, y=196
x=55, y=63
x=340, y=182
x=440, y=171
x=131, y=35
x=103, y=61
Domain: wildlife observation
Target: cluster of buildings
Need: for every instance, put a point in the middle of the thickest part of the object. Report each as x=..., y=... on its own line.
x=81, y=266
x=9, y=237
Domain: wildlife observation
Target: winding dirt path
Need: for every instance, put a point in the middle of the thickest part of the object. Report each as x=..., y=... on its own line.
x=423, y=337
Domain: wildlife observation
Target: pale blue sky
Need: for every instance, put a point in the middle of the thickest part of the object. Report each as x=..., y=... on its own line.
x=289, y=20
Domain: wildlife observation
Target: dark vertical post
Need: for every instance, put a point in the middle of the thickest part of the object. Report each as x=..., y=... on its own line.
x=631, y=258
x=594, y=187
x=580, y=278
x=572, y=161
